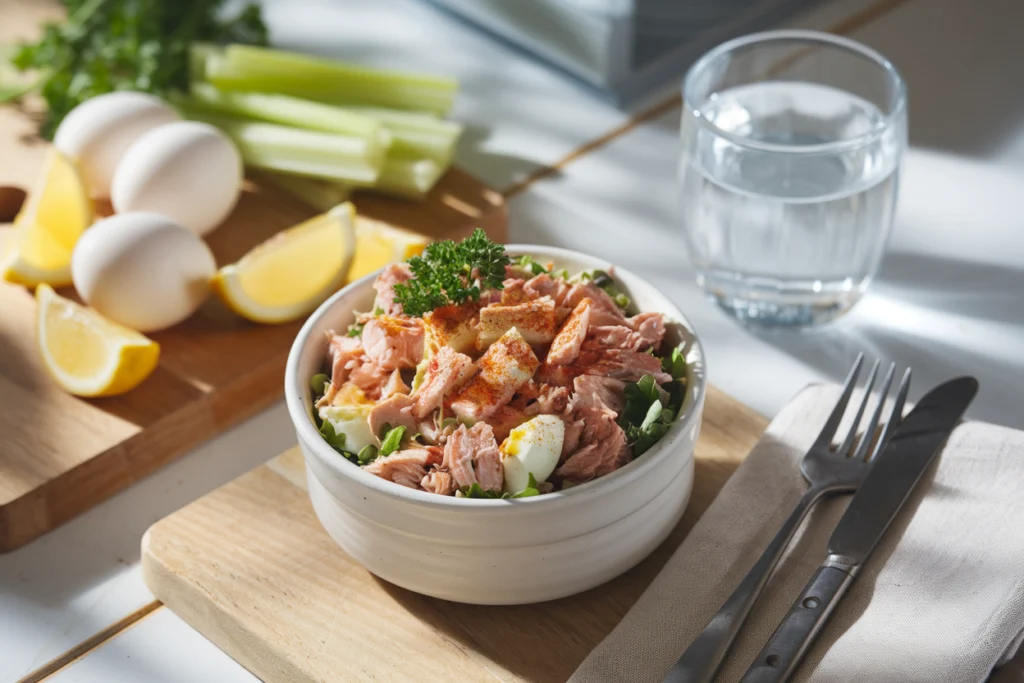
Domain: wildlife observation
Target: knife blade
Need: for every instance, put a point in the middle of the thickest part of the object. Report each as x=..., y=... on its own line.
x=894, y=475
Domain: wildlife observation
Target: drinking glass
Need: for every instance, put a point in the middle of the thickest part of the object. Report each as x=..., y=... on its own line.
x=788, y=175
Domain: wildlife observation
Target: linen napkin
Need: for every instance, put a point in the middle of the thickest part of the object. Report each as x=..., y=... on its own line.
x=941, y=600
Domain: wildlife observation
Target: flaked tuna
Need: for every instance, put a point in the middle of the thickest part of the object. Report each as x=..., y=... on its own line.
x=594, y=445
x=603, y=311
x=447, y=370
x=650, y=326
x=407, y=467
x=472, y=455
x=394, y=385
x=622, y=364
x=614, y=337
x=345, y=353
x=440, y=481
x=392, y=342
x=545, y=285
x=567, y=343
x=594, y=391
x=394, y=412
x=385, y=287
x=369, y=377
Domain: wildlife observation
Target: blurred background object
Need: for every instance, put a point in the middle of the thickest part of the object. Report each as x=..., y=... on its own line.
x=623, y=48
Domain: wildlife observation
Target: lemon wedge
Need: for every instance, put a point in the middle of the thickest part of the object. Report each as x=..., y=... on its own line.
x=378, y=244
x=48, y=227
x=87, y=354
x=293, y=272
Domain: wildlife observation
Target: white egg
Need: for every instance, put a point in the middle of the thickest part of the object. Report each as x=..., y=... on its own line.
x=97, y=133
x=188, y=171
x=350, y=421
x=532, y=448
x=142, y=270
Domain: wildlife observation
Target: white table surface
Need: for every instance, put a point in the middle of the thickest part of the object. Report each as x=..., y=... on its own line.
x=948, y=301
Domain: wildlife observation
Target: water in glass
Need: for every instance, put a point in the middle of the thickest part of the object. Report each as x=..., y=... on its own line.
x=785, y=224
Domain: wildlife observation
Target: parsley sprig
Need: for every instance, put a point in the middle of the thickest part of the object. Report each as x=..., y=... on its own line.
x=452, y=273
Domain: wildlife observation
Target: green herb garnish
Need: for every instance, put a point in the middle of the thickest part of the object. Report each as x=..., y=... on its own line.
x=527, y=263
x=452, y=273
x=474, y=490
x=650, y=410
x=107, y=45
x=392, y=440
x=336, y=440
x=355, y=330
x=367, y=454
x=675, y=364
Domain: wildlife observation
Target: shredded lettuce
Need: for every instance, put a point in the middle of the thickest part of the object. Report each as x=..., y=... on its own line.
x=392, y=440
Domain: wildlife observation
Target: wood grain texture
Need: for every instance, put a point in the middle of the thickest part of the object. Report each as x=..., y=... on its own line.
x=250, y=567
x=61, y=455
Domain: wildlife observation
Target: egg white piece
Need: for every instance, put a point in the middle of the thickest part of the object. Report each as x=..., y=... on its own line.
x=142, y=270
x=532, y=448
x=353, y=423
x=97, y=133
x=188, y=171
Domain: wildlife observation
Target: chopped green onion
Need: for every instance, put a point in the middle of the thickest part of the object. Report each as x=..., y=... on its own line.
x=318, y=383
x=367, y=454
x=392, y=440
x=354, y=330
x=265, y=70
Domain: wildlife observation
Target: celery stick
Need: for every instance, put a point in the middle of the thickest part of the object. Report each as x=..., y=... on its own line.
x=244, y=67
x=298, y=152
x=416, y=135
x=291, y=111
x=198, y=54
x=322, y=195
x=408, y=178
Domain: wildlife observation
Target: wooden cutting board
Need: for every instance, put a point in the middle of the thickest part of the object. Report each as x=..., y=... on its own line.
x=250, y=567
x=60, y=455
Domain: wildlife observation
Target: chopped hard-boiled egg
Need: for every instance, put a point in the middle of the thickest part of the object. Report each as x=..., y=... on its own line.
x=453, y=326
x=350, y=420
x=532, y=448
x=536, y=320
x=506, y=365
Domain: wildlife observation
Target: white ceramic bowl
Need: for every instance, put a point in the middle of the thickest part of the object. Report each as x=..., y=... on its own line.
x=497, y=552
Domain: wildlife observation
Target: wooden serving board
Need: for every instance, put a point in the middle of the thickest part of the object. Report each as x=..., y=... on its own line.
x=60, y=455
x=251, y=568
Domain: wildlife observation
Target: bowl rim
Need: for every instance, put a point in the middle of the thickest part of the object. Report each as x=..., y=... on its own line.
x=592, y=490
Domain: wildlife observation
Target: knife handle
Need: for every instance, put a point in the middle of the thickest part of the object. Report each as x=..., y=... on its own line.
x=791, y=640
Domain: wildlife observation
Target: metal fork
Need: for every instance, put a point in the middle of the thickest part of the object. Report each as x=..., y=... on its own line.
x=828, y=471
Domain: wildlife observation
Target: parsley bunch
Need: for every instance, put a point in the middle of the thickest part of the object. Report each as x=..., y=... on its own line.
x=107, y=45
x=452, y=273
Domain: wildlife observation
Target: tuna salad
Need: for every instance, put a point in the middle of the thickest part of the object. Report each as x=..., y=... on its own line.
x=480, y=375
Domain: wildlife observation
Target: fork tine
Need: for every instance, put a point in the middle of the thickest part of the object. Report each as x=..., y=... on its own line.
x=895, y=416
x=872, y=425
x=847, y=446
x=824, y=439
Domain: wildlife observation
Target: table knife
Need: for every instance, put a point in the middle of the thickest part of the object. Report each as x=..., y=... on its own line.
x=895, y=473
